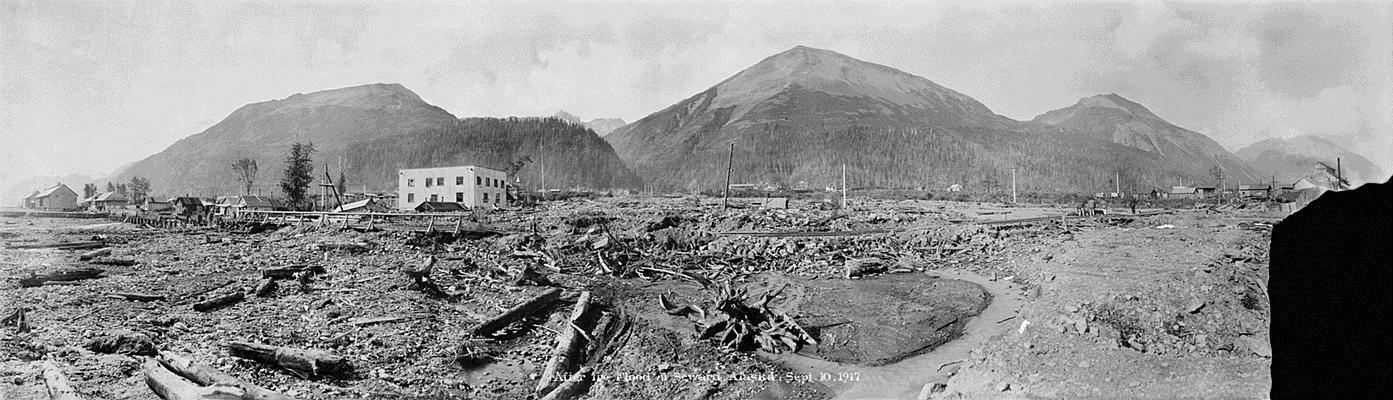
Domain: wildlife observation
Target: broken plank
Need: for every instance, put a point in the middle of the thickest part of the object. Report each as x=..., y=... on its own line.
x=135, y=296
x=570, y=347
x=65, y=275
x=57, y=383
x=94, y=254
x=312, y=362
x=267, y=287
x=208, y=376
x=120, y=262
x=289, y=272
x=219, y=302
x=518, y=312
x=171, y=386
x=378, y=320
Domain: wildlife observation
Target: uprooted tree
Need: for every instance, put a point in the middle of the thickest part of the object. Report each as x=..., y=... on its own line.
x=297, y=179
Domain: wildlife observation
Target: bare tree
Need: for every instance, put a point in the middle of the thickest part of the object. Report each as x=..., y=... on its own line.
x=246, y=172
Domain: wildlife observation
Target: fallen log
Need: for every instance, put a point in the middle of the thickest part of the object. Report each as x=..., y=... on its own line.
x=209, y=376
x=18, y=318
x=57, y=383
x=518, y=312
x=65, y=275
x=59, y=246
x=171, y=386
x=135, y=296
x=312, y=362
x=267, y=287
x=378, y=320
x=219, y=302
x=120, y=262
x=570, y=348
x=349, y=247
x=289, y=272
x=864, y=266
x=94, y=254
x=576, y=385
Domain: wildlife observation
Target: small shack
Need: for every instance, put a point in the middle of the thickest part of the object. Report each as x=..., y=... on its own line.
x=439, y=206
x=155, y=206
x=187, y=206
x=107, y=201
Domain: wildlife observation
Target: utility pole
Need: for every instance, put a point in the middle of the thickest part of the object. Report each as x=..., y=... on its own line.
x=730, y=161
x=843, y=185
x=1013, y=186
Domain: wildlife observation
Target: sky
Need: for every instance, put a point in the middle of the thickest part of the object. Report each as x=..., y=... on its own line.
x=86, y=87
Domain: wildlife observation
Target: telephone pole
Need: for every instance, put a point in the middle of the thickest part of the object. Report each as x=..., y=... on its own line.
x=1013, y=186
x=725, y=198
x=843, y=185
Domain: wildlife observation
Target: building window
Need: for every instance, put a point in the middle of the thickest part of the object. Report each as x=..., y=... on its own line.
x=410, y=183
x=459, y=180
x=428, y=182
x=478, y=181
x=486, y=197
x=434, y=198
x=459, y=197
x=410, y=197
x=440, y=181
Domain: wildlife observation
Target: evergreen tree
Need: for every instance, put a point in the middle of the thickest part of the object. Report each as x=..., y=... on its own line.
x=297, y=177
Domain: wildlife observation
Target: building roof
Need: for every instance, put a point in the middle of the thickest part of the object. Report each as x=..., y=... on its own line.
x=1182, y=190
x=1254, y=187
x=50, y=191
x=110, y=196
x=439, y=206
x=187, y=201
x=257, y=201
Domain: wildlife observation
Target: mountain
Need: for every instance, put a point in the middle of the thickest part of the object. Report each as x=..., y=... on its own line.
x=795, y=118
x=569, y=154
x=601, y=126
x=334, y=120
x=605, y=126
x=1111, y=117
x=1292, y=158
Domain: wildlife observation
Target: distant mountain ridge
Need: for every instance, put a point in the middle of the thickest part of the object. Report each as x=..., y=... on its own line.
x=601, y=126
x=1113, y=118
x=1292, y=158
x=795, y=117
x=334, y=120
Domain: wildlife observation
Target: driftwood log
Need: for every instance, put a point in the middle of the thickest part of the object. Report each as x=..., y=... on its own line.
x=349, y=247
x=219, y=302
x=59, y=246
x=57, y=383
x=171, y=386
x=94, y=254
x=135, y=296
x=64, y=275
x=312, y=362
x=864, y=266
x=570, y=347
x=289, y=272
x=208, y=376
x=518, y=312
x=18, y=318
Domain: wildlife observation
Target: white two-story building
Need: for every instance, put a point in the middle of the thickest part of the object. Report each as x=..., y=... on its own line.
x=471, y=186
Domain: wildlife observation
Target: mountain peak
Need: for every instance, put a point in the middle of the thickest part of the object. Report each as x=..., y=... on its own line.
x=1115, y=101
x=568, y=117
x=373, y=95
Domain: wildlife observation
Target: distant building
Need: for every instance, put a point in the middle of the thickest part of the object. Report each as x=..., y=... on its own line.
x=186, y=205
x=152, y=205
x=1254, y=191
x=1182, y=192
x=257, y=203
x=58, y=197
x=1322, y=178
x=469, y=186
x=1206, y=191
x=107, y=201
